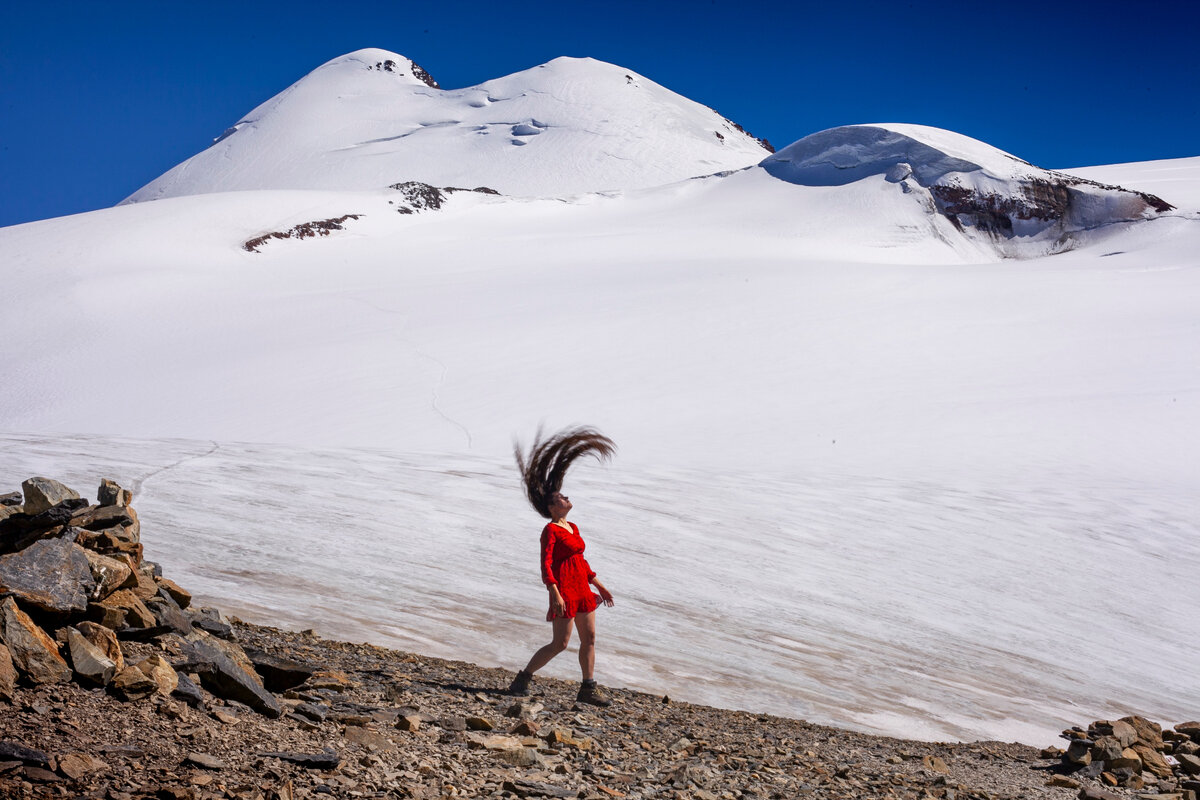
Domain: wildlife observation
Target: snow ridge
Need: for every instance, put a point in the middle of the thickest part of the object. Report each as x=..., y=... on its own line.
x=978, y=188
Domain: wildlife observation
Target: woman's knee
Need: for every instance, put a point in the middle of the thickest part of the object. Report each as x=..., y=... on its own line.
x=560, y=643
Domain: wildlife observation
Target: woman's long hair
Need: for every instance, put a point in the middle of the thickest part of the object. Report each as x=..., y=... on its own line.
x=543, y=472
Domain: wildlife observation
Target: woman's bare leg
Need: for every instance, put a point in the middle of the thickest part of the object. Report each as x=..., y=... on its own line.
x=562, y=638
x=587, y=643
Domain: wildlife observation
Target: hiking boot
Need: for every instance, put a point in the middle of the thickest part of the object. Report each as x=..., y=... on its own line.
x=592, y=694
x=520, y=684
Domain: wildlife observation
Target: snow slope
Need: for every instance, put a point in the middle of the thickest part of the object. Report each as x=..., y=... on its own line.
x=365, y=121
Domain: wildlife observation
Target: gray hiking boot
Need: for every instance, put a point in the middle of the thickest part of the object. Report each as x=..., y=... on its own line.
x=520, y=685
x=592, y=694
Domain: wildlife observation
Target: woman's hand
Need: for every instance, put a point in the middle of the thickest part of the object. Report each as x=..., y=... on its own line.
x=605, y=594
x=557, y=606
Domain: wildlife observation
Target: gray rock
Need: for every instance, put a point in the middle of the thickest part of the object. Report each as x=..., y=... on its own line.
x=11, y=499
x=1079, y=752
x=42, y=494
x=313, y=711
x=520, y=757
x=325, y=760
x=221, y=673
x=1106, y=748
x=111, y=494
x=278, y=674
x=524, y=788
x=52, y=575
x=88, y=660
x=34, y=653
x=104, y=639
x=204, y=760
x=168, y=615
x=15, y=751
x=188, y=691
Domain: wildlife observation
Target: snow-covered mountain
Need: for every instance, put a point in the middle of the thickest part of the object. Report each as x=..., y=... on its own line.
x=971, y=184
x=373, y=118
x=915, y=457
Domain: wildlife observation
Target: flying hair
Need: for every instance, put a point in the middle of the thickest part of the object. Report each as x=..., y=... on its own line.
x=549, y=459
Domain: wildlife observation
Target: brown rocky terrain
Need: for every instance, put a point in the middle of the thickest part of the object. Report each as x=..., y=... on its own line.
x=113, y=686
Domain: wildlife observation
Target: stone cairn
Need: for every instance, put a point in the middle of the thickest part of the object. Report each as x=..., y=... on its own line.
x=1133, y=753
x=74, y=584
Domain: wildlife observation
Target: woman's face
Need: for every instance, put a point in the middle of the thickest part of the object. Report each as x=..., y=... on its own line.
x=559, y=505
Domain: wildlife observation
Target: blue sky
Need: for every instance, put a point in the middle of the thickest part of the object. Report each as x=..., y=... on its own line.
x=97, y=99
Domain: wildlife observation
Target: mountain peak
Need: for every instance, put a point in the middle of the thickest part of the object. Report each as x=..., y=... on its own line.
x=376, y=59
x=373, y=118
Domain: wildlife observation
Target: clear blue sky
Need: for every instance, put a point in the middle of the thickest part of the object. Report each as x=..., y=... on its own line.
x=98, y=98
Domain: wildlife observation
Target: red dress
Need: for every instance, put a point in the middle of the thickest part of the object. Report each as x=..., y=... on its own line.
x=563, y=564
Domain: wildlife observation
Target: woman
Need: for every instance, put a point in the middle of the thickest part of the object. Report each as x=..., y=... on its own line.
x=565, y=572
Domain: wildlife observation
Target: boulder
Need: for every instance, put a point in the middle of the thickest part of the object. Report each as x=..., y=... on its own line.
x=1127, y=760
x=108, y=573
x=111, y=494
x=1106, y=748
x=1191, y=729
x=89, y=661
x=11, y=500
x=51, y=574
x=157, y=669
x=188, y=691
x=110, y=517
x=145, y=587
x=182, y=598
x=1123, y=732
x=34, y=653
x=1189, y=764
x=167, y=615
x=105, y=639
x=1147, y=732
x=1153, y=761
x=42, y=494
x=8, y=674
x=131, y=611
x=226, y=672
x=133, y=684
x=278, y=673
x=1079, y=752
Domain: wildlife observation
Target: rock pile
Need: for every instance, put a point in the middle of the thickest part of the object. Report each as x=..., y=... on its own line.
x=74, y=585
x=1135, y=753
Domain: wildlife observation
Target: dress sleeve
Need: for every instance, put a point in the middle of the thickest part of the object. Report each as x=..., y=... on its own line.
x=547, y=554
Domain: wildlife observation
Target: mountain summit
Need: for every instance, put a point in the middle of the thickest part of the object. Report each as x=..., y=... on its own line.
x=373, y=118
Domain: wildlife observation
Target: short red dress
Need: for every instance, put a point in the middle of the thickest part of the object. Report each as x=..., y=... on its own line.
x=563, y=564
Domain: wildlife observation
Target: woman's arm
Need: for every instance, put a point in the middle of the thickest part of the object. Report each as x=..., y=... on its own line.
x=605, y=594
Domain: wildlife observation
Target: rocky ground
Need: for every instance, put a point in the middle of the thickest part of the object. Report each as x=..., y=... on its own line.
x=113, y=687
x=466, y=738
